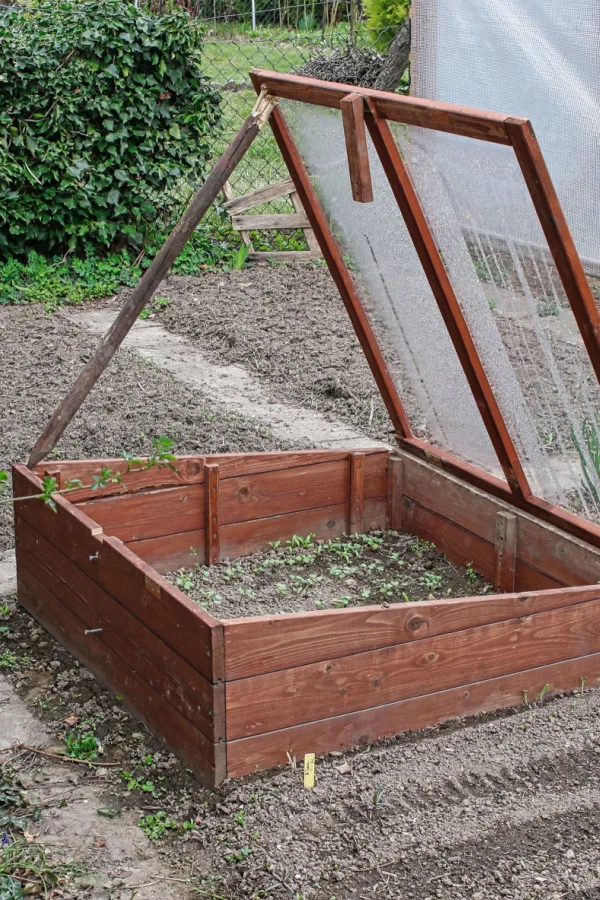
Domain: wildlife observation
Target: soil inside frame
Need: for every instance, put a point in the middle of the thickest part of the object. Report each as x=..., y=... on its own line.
x=302, y=574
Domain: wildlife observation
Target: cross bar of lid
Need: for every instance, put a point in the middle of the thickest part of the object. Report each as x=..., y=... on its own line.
x=461, y=120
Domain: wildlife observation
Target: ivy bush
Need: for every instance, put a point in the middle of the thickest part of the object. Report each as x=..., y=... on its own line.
x=104, y=111
x=384, y=18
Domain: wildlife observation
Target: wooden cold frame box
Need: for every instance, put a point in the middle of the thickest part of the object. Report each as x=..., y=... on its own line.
x=237, y=696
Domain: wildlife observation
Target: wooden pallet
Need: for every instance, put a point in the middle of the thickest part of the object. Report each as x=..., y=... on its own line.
x=236, y=696
x=236, y=206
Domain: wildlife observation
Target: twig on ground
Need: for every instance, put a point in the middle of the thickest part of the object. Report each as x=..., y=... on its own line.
x=85, y=762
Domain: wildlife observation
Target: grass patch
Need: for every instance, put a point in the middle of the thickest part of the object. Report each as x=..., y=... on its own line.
x=58, y=281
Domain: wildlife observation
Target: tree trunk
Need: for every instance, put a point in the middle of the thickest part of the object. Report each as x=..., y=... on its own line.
x=396, y=61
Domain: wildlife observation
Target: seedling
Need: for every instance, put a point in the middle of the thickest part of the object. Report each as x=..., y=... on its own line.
x=471, y=573
x=430, y=580
x=238, y=857
x=155, y=825
x=240, y=818
x=8, y=660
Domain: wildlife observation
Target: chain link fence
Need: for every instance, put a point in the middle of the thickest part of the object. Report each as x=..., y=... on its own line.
x=308, y=38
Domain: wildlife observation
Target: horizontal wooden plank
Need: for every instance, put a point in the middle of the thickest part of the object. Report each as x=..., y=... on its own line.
x=189, y=469
x=265, y=222
x=261, y=644
x=461, y=120
x=185, y=627
x=264, y=751
x=171, y=676
x=140, y=516
x=562, y=557
x=337, y=686
x=257, y=198
x=173, y=551
x=205, y=758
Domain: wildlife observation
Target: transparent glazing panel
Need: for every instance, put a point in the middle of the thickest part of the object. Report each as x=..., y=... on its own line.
x=478, y=208
x=394, y=290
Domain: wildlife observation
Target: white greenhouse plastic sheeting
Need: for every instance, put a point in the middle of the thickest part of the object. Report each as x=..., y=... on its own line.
x=534, y=58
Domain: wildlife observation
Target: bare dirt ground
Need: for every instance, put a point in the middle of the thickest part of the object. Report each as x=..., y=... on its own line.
x=501, y=806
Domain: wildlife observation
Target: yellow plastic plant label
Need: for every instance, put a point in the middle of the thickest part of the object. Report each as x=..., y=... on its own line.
x=309, y=771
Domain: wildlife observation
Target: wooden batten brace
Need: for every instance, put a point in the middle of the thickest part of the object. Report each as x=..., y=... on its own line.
x=153, y=276
x=357, y=493
x=506, y=552
x=212, y=518
x=353, y=118
x=394, y=493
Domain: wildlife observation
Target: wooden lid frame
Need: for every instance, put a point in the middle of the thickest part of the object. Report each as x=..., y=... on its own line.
x=379, y=108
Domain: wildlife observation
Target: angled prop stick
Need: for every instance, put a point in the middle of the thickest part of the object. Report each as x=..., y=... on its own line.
x=153, y=276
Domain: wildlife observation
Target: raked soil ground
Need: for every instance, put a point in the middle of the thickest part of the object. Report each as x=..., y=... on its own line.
x=500, y=806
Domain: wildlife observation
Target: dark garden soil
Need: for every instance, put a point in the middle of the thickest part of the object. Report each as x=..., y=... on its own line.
x=134, y=401
x=382, y=567
x=288, y=325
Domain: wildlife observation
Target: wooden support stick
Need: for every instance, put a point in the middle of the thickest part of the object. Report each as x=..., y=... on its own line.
x=357, y=486
x=506, y=552
x=152, y=277
x=353, y=117
x=213, y=522
x=394, y=493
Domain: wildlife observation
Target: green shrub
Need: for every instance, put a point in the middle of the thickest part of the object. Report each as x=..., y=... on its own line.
x=103, y=111
x=384, y=18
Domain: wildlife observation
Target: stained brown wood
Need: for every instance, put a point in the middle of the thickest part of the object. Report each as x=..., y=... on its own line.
x=448, y=304
x=394, y=493
x=150, y=280
x=357, y=492
x=540, y=509
x=182, y=624
x=353, y=118
x=212, y=518
x=192, y=695
x=176, y=550
x=338, y=686
x=140, y=516
x=205, y=758
x=269, y=222
x=558, y=235
x=189, y=469
x=339, y=271
x=506, y=551
x=462, y=120
x=262, y=644
x=259, y=752
x=541, y=546
x=237, y=205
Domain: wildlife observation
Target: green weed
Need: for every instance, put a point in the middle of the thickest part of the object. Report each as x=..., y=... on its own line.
x=84, y=746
